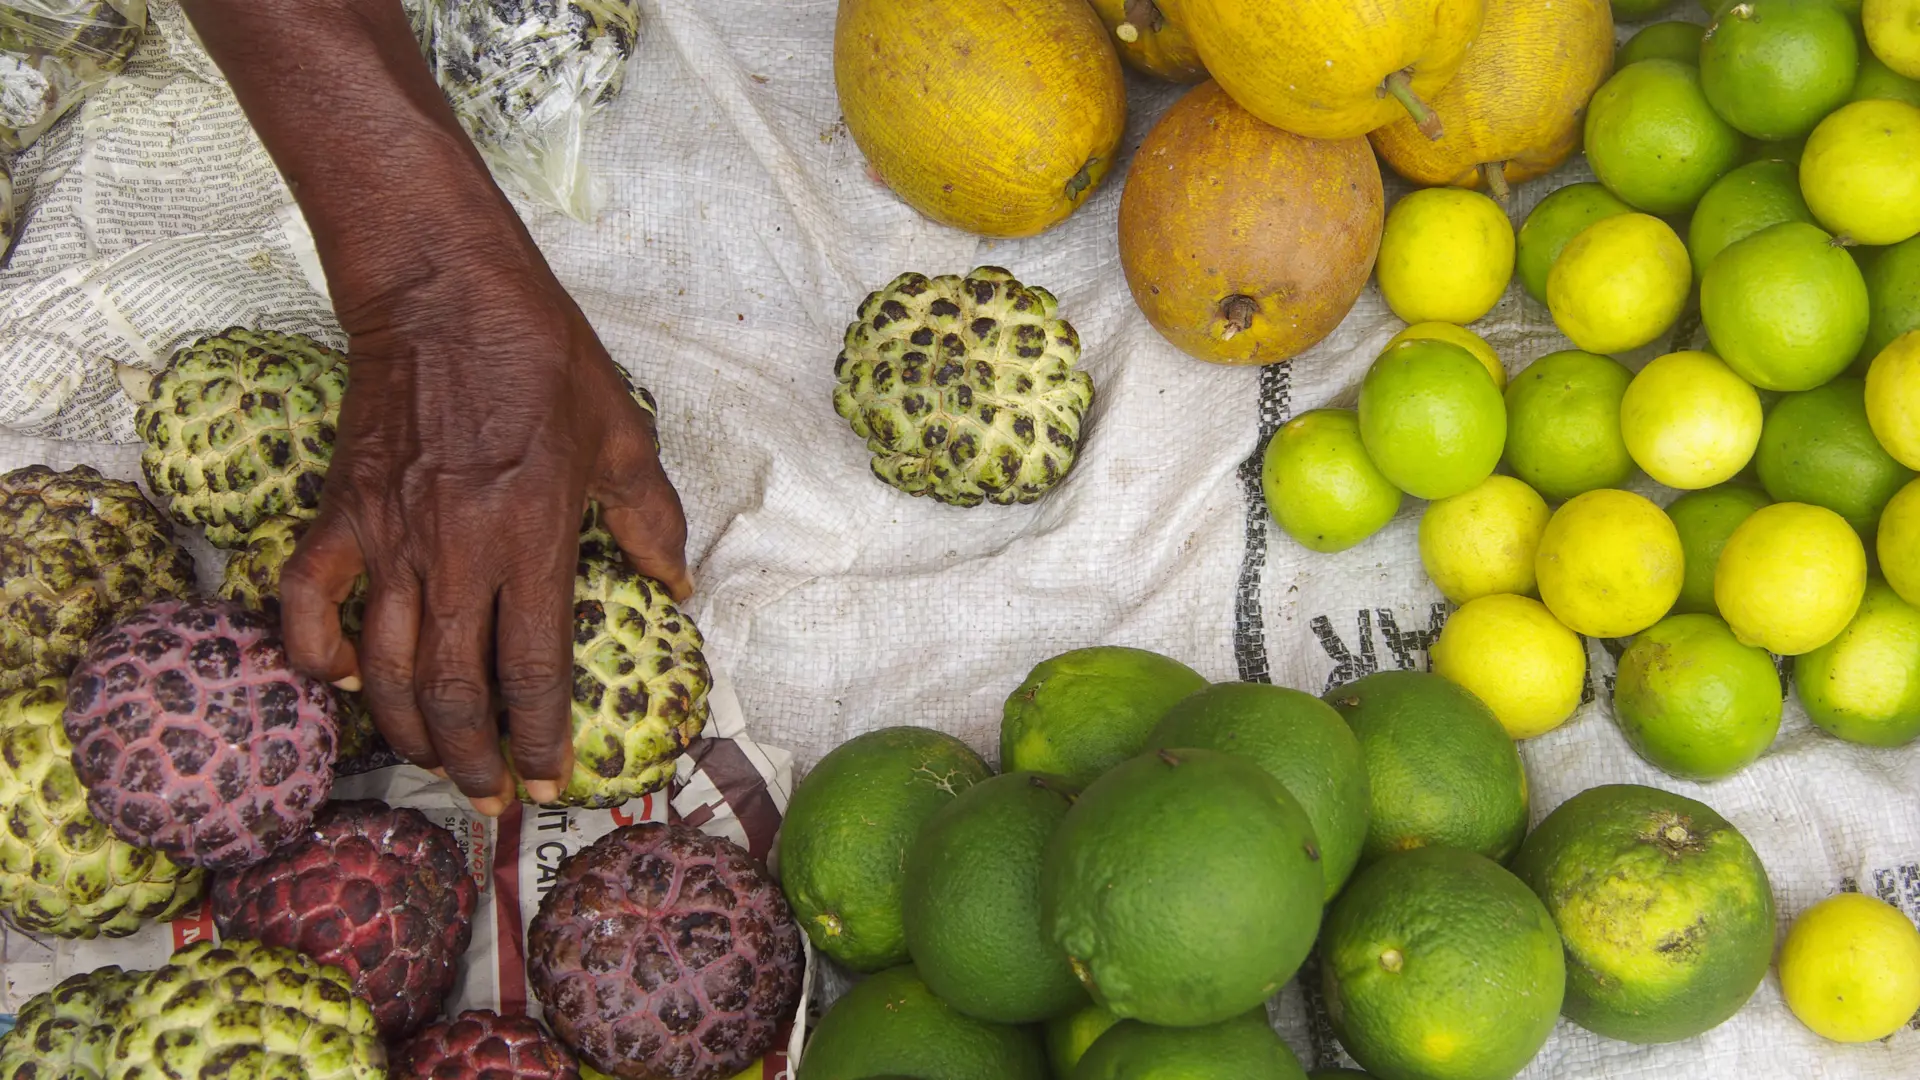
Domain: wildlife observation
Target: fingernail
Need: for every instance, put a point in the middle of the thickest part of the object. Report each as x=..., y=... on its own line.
x=351, y=684
x=490, y=806
x=544, y=792
x=441, y=773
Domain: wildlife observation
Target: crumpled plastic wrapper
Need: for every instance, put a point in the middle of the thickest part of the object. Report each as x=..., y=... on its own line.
x=526, y=78
x=53, y=52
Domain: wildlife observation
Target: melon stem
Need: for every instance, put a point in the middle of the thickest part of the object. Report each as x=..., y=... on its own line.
x=1140, y=15
x=1400, y=85
x=1496, y=173
x=1238, y=310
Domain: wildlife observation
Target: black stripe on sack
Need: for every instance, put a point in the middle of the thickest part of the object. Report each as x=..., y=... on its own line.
x=1250, y=648
x=1249, y=624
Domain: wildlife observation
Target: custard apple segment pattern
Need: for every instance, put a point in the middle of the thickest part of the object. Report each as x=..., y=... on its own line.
x=77, y=552
x=640, y=678
x=67, y=1032
x=195, y=737
x=243, y=1009
x=62, y=872
x=240, y=427
x=964, y=388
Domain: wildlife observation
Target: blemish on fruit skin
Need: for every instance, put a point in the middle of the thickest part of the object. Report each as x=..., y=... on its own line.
x=1392, y=961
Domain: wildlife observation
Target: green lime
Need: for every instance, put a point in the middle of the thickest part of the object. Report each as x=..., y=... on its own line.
x=972, y=903
x=1559, y=218
x=1858, y=175
x=1678, y=41
x=1069, y=1037
x=1741, y=203
x=1083, y=712
x=1185, y=886
x=1705, y=519
x=1817, y=447
x=1244, y=1048
x=890, y=1024
x=1320, y=484
x=1653, y=139
x=846, y=834
x=1298, y=738
x=1563, y=424
x=1893, y=296
x=1635, y=10
x=1665, y=909
x=1441, y=771
x=1864, y=686
x=1786, y=308
x=1877, y=80
x=1693, y=701
x=1438, y=963
x=1337, y=1074
x=1431, y=418
x=1773, y=68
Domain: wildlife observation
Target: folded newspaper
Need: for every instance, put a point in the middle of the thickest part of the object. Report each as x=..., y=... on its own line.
x=738, y=231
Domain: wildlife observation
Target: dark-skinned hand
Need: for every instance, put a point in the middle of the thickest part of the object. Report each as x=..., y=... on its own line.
x=482, y=411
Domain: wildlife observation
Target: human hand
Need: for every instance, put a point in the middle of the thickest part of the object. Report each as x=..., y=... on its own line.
x=481, y=413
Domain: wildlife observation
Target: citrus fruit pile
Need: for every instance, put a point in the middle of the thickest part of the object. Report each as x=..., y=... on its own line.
x=1159, y=855
x=1784, y=449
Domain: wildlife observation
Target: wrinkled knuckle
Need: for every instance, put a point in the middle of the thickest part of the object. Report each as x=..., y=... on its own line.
x=454, y=703
x=386, y=675
x=533, y=683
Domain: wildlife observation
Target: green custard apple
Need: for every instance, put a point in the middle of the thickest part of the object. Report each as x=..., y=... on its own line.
x=77, y=552
x=62, y=872
x=640, y=679
x=964, y=387
x=240, y=428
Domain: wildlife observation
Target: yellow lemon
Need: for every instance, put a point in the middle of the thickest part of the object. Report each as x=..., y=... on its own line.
x=1850, y=968
x=1510, y=652
x=1483, y=541
x=1446, y=255
x=1899, y=543
x=1689, y=421
x=1893, y=32
x=1620, y=284
x=1610, y=563
x=1893, y=398
x=1461, y=336
x=1790, y=578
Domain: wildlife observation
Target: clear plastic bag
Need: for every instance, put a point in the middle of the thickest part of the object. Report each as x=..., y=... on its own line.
x=53, y=52
x=526, y=78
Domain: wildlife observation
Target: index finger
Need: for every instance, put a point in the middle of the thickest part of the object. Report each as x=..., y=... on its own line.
x=317, y=579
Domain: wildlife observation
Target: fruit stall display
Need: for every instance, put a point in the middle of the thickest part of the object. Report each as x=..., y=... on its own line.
x=1709, y=475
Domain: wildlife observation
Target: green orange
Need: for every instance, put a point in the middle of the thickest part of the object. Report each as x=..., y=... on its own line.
x=1664, y=907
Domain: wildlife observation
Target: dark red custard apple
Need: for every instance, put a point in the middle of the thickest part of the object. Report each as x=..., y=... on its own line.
x=662, y=953
x=380, y=892
x=194, y=737
x=484, y=1046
